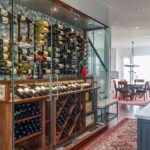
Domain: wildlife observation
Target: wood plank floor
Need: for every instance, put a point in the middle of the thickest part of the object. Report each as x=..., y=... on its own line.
x=125, y=111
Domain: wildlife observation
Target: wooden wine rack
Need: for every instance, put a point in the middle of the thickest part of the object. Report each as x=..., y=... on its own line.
x=52, y=133
x=76, y=104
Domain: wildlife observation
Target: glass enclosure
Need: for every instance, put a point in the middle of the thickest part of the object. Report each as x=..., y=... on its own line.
x=97, y=59
x=54, y=67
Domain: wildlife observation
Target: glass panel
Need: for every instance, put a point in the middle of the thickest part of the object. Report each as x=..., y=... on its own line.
x=34, y=47
x=95, y=65
x=7, y=73
x=98, y=63
x=44, y=48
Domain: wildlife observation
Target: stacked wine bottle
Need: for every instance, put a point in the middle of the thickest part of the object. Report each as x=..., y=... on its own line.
x=33, y=91
x=39, y=50
x=24, y=124
x=68, y=117
x=27, y=128
x=25, y=47
x=5, y=53
x=43, y=90
x=26, y=110
x=68, y=51
x=43, y=51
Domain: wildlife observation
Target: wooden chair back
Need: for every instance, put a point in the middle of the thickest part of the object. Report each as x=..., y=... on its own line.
x=122, y=84
x=139, y=81
x=115, y=84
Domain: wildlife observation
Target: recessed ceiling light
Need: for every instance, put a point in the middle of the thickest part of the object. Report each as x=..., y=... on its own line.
x=75, y=18
x=140, y=10
x=90, y=24
x=55, y=9
x=137, y=27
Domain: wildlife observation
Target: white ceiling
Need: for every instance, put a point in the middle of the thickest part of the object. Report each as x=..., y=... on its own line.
x=125, y=16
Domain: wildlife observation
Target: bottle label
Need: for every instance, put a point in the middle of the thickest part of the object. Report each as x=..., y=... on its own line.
x=48, y=71
x=30, y=58
x=15, y=71
x=5, y=56
x=43, y=88
x=38, y=88
x=61, y=65
x=4, y=20
x=33, y=91
x=29, y=71
x=57, y=49
x=68, y=51
x=48, y=58
x=5, y=41
x=23, y=18
x=20, y=90
x=60, y=26
x=45, y=53
x=27, y=89
x=9, y=63
x=24, y=51
x=57, y=71
x=5, y=49
x=57, y=55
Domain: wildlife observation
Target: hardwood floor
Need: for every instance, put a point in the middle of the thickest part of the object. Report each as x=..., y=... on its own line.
x=125, y=111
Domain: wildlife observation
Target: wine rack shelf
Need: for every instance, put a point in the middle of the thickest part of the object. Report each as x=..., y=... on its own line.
x=28, y=137
x=66, y=113
x=29, y=118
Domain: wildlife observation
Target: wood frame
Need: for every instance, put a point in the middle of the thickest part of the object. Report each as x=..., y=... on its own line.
x=6, y=116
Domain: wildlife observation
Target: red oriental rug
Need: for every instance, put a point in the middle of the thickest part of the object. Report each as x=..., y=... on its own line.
x=121, y=137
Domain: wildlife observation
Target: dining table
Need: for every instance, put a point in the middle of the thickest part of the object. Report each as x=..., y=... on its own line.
x=134, y=88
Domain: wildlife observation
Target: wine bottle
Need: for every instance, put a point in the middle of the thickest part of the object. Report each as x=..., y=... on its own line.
x=23, y=18
x=20, y=92
x=27, y=127
x=4, y=42
x=47, y=71
x=61, y=66
x=5, y=49
x=4, y=12
x=57, y=50
x=56, y=71
x=42, y=23
x=56, y=60
x=6, y=63
x=57, y=55
x=59, y=26
x=5, y=20
x=4, y=56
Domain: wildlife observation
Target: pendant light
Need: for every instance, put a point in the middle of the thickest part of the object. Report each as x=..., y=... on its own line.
x=132, y=65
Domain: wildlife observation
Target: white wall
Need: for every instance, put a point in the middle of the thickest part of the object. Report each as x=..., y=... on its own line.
x=91, y=8
x=114, y=59
x=137, y=51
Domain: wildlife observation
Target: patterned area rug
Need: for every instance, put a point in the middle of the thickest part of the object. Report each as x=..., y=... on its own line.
x=120, y=137
x=139, y=102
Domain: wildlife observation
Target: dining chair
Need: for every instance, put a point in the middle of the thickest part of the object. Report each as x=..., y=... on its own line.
x=122, y=87
x=141, y=91
x=129, y=93
x=115, y=88
x=148, y=88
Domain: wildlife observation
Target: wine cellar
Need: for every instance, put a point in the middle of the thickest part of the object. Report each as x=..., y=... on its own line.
x=47, y=96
